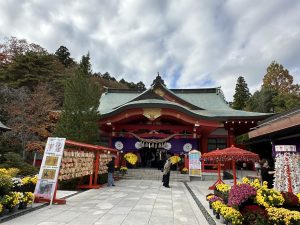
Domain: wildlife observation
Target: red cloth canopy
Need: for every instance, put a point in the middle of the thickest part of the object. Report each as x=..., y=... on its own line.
x=229, y=154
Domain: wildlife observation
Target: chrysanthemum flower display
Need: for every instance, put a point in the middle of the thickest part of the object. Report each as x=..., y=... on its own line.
x=239, y=194
x=269, y=197
x=255, y=184
x=245, y=180
x=215, y=198
x=131, y=158
x=217, y=205
x=175, y=159
x=283, y=216
x=223, y=188
x=231, y=215
x=184, y=170
x=11, y=200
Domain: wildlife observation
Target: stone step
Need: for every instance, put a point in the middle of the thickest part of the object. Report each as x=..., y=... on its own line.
x=154, y=174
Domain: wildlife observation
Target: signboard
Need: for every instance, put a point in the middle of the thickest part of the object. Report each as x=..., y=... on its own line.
x=195, y=163
x=49, y=170
x=285, y=148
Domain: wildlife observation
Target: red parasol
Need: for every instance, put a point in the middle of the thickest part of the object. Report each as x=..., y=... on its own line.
x=229, y=154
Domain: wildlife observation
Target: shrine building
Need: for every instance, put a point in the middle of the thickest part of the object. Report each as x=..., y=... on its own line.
x=171, y=120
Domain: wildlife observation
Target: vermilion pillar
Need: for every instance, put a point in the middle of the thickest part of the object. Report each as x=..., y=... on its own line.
x=204, y=140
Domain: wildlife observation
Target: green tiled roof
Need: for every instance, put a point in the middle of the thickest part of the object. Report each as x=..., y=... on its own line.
x=212, y=103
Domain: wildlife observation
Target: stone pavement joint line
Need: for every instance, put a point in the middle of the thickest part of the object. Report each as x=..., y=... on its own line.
x=208, y=217
x=130, y=202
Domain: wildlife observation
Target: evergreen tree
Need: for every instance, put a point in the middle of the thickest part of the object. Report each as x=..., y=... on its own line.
x=79, y=117
x=85, y=64
x=241, y=95
x=262, y=101
x=63, y=55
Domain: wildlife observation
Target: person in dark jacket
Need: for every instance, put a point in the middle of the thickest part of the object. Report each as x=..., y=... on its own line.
x=111, y=170
x=267, y=174
x=166, y=173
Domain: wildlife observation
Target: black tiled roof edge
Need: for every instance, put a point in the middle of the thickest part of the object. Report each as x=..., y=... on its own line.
x=280, y=116
x=207, y=216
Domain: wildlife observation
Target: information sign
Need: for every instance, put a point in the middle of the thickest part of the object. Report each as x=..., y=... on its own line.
x=49, y=170
x=195, y=163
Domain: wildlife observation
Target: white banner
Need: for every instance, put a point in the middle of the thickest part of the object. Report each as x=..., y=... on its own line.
x=195, y=163
x=49, y=170
x=285, y=148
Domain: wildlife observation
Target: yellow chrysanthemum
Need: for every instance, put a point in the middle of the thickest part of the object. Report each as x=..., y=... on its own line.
x=131, y=158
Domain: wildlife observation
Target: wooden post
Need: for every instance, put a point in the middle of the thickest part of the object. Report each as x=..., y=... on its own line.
x=290, y=189
x=96, y=168
x=219, y=180
x=186, y=161
x=234, y=172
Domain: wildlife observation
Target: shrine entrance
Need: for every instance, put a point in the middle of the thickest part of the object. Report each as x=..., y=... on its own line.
x=152, y=157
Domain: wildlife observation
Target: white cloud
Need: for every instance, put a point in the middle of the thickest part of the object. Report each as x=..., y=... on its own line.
x=192, y=44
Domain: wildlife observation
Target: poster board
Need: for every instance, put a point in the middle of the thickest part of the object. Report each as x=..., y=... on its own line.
x=47, y=178
x=195, y=163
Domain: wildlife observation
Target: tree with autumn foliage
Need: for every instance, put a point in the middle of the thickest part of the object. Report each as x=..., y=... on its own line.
x=279, y=79
x=79, y=116
x=28, y=116
x=241, y=95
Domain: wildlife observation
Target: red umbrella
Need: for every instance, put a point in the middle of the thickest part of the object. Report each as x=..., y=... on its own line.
x=229, y=154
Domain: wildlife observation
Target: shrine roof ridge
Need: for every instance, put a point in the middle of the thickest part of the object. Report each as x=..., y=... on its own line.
x=175, y=90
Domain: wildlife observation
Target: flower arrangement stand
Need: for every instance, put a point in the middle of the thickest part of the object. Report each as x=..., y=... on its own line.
x=54, y=201
x=219, y=181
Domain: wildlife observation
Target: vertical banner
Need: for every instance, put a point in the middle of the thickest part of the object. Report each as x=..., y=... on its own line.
x=49, y=170
x=195, y=163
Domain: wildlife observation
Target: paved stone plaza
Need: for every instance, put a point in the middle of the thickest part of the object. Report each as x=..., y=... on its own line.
x=130, y=202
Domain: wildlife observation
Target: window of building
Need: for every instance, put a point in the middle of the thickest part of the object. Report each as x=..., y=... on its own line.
x=214, y=143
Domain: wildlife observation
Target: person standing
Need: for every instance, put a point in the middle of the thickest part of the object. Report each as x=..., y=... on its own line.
x=111, y=170
x=166, y=173
x=267, y=174
x=257, y=168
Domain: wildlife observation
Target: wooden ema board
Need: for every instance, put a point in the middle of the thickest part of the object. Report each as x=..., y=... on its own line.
x=93, y=178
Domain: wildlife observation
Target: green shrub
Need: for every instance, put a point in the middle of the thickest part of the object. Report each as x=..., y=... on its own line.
x=14, y=160
x=5, y=182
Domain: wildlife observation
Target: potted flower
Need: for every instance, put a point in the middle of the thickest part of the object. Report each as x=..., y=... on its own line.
x=254, y=215
x=217, y=205
x=123, y=170
x=213, y=198
x=240, y=194
x=1, y=209
x=29, y=183
x=283, y=216
x=131, y=158
x=222, y=191
x=231, y=215
x=16, y=184
x=184, y=170
x=290, y=200
x=25, y=199
x=268, y=197
x=11, y=201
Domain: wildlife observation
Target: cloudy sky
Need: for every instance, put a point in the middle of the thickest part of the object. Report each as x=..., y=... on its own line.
x=193, y=44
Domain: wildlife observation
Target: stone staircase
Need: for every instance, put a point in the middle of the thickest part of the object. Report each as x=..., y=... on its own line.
x=153, y=174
